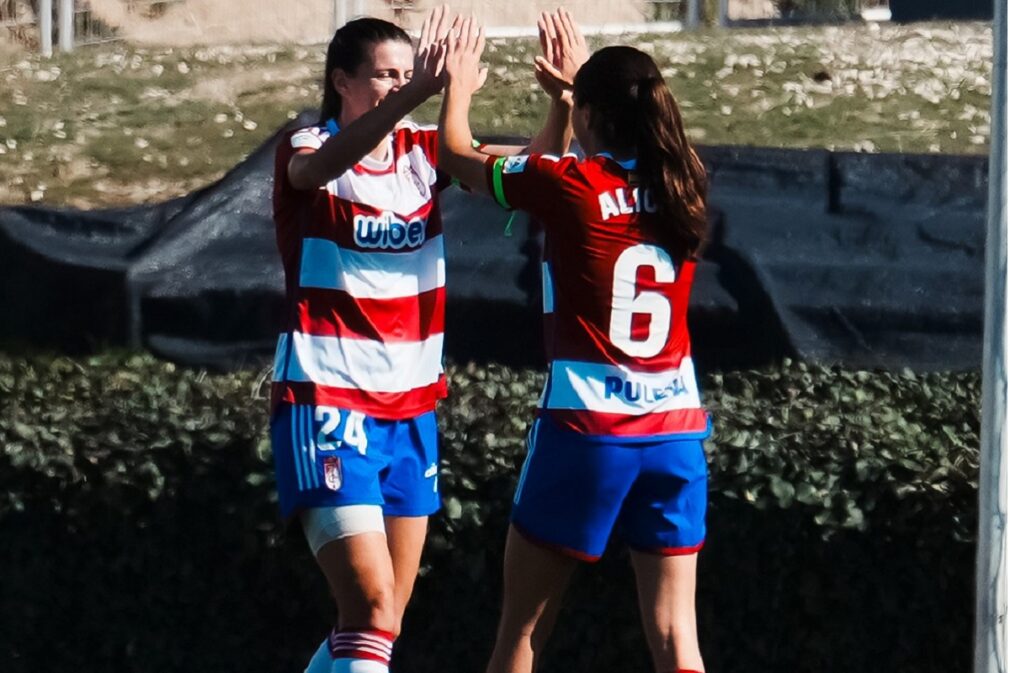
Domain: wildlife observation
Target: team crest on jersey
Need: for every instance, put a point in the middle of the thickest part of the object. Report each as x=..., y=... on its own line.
x=515, y=164
x=333, y=473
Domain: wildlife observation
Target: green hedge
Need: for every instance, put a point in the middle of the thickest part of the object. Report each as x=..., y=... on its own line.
x=138, y=519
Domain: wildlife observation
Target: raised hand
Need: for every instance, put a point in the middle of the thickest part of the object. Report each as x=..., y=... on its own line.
x=429, y=59
x=464, y=46
x=564, y=51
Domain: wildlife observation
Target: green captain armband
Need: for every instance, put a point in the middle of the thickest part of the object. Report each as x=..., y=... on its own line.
x=496, y=182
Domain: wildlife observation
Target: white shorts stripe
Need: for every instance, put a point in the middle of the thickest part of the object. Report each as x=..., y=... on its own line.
x=618, y=390
x=361, y=364
x=296, y=448
x=310, y=447
x=373, y=275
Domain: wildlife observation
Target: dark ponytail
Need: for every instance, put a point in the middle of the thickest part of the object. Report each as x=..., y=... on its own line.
x=348, y=50
x=632, y=110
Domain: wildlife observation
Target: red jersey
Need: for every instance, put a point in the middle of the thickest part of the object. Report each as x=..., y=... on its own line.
x=615, y=302
x=365, y=274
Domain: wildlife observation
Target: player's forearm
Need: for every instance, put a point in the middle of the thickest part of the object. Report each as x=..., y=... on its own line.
x=556, y=134
x=456, y=154
x=346, y=148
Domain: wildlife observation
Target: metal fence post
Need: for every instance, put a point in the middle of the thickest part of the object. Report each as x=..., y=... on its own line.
x=723, y=13
x=992, y=630
x=45, y=18
x=693, y=14
x=65, y=17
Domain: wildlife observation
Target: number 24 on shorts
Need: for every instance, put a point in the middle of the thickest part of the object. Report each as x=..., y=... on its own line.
x=353, y=430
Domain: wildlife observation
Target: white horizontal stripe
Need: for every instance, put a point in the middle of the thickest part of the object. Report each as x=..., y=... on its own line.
x=403, y=190
x=362, y=364
x=618, y=390
x=373, y=275
x=362, y=644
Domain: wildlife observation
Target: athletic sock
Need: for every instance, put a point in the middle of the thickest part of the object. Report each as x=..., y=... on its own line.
x=360, y=651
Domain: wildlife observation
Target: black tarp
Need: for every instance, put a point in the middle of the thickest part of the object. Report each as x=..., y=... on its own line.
x=926, y=10
x=870, y=260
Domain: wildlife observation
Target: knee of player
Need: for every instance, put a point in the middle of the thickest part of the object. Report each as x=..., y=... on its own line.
x=381, y=608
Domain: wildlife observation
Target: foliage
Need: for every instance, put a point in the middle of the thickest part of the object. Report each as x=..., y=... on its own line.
x=138, y=516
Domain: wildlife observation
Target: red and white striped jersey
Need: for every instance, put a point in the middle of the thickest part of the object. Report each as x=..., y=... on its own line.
x=365, y=274
x=615, y=302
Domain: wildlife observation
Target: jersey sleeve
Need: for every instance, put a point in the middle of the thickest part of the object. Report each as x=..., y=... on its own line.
x=530, y=182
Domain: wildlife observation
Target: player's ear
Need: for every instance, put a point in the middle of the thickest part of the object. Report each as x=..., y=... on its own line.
x=339, y=79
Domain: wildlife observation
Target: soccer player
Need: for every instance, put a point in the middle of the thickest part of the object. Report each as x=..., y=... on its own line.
x=358, y=369
x=617, y=441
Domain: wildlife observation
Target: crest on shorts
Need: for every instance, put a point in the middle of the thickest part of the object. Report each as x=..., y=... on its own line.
x=333, y=473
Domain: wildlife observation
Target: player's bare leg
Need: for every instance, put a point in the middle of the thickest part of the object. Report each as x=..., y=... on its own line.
x=360, y=574
x=535, y=582
x=666, y=587
x=405, y=539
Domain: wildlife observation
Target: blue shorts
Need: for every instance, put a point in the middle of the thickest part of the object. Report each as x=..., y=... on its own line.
x=329, y=457
x=575, y=489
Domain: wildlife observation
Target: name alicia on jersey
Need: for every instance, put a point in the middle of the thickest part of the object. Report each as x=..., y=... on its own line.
x=620, y=202
x=388, y=231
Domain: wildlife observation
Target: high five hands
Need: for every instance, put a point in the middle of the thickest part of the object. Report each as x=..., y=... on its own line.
x=465, y=44
x=564, y=51
x=429, y=59
x=454, y=51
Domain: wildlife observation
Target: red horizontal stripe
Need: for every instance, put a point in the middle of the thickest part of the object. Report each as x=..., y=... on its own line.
x=335, y=313
x=680, y=421
x=674, y=551
x=579, y=326
x=391, y=406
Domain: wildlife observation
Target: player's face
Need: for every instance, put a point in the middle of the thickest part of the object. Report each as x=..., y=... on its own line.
x=388, y=66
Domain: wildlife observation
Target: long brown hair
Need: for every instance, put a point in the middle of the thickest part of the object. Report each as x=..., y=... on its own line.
x=348, y=50
x=632, y=110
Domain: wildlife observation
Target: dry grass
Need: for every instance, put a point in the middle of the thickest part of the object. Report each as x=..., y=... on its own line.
x=122, y=124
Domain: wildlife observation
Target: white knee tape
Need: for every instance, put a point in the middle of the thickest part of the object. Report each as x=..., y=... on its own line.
x=325, y=524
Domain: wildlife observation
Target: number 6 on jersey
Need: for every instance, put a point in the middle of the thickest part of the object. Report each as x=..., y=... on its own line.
x=625, y=303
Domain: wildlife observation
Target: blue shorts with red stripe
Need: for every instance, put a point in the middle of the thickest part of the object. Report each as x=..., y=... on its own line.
x=330, y=457
x=576, y=489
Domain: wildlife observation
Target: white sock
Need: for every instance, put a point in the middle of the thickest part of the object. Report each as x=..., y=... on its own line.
x=358, y=666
